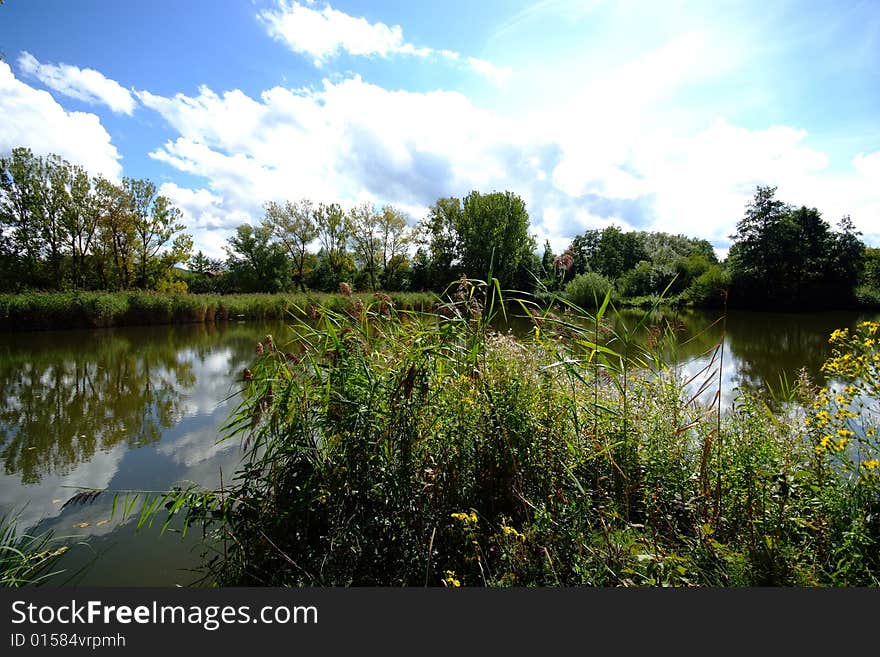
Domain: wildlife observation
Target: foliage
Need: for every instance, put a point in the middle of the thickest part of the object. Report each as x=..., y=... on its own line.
x=255, y=263
x=26, y=559
x=587, y=290
x=493, y=238
x=62, y=229
x=789, y=257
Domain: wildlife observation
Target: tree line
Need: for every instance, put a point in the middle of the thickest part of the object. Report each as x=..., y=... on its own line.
x=63, y=229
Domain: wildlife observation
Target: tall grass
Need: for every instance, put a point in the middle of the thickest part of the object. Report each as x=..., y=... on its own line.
x=25, y=559
x=61, y=310
x=385, y=447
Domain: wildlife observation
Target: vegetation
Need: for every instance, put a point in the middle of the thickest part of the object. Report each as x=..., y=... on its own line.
x=61, y=230
x=392, y=448
x=25, y=559
x=63, y=310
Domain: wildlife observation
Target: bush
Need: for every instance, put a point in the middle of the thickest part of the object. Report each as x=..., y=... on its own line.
x=707, y=290
x=587, y=290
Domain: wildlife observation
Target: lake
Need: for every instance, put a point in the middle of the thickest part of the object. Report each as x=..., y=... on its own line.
x=141, y=407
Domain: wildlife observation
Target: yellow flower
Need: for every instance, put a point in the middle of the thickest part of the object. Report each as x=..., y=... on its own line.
x=451, y=580
x=510, y=531
x=466, y=518
x=838, y=335
x=873, y=464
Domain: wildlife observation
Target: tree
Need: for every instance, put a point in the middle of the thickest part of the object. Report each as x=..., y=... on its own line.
x=256, y=264
x=333, y=236
x=80, y=223
x=293, y=224
x=493, y=238
x=848, y=255
x=21, y=185
x=438, y=233
x=362, y=226
x=760, y=237
x=156, y=222
x=117, y=235
x=395, y=238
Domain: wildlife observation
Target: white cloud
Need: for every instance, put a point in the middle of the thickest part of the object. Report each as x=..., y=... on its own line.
x=325, y=33
x=599, y=158
x=868, y=165
x=497, y=74
x=84, y=84
x=32, y=118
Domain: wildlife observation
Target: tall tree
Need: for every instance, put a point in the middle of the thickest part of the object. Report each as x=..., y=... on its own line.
x=156, y=223
x=362, y=225
x=438, y=233
x=395, y=237
x=21, y=184
x=117, y=235
x=293, y=224
x=256, y=263
x=333, y=235
x=80, y=222
x=493, y=235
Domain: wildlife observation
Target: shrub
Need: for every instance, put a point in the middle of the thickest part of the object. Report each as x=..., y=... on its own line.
x=587, y=290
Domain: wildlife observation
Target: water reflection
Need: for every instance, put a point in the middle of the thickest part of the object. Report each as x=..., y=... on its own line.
x=134, y=408
x=139, y=408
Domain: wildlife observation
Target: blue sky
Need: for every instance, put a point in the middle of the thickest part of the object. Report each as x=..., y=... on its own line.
x=645, y=115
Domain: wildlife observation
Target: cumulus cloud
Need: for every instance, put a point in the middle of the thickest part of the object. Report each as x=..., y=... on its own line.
x=84, y=84
x=33, y=118
x=325, y=33
x=585, y=165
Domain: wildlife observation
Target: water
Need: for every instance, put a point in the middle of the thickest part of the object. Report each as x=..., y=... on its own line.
x=140, y=408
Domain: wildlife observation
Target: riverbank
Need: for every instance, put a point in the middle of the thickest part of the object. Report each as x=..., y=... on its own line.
x=38, y=311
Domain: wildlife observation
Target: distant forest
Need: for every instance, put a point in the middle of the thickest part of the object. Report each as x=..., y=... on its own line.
x=62, y=229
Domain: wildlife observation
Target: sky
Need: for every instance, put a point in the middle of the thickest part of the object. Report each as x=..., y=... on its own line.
x=648, y=115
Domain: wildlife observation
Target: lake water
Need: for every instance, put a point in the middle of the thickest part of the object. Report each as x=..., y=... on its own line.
x=140, y=408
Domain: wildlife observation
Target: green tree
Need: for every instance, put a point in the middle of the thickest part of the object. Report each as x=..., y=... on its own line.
x=156, y=223
x=255, y=262
x=293, y=224
x=80, y=223
x=117, y=235
x=493, y=238
x=333, y=235
x=21, y=183
x=756, y=254
x=362, y=226
x=395, y=237
x=437, y=235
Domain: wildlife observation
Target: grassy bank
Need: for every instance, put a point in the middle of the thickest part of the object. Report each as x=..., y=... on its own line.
x=63, y=310
x=396, y=449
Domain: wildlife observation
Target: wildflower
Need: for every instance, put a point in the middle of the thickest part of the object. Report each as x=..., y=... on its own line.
x=247, y=375
x=451, y=580
x=345, y=289
x=259, y=349
x=838, y=335
x=466, y=518
x=871, y=464
x=510, y=531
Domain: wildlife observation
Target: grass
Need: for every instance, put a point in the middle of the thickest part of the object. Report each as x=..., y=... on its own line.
x=62, y=310
x=388, y=447
x=25, y=559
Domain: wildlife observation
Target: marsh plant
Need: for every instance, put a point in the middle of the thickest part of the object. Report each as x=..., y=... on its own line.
x=386, y=447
